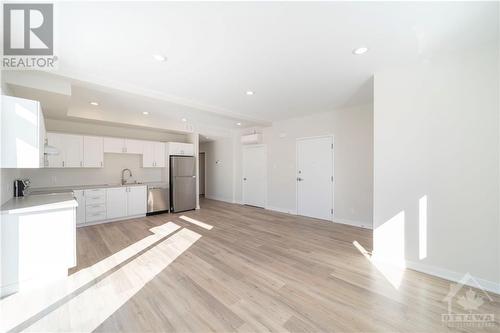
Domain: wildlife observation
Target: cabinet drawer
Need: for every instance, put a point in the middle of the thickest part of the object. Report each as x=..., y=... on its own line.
x=96, y=216
x=95, y=196
x=95, y=208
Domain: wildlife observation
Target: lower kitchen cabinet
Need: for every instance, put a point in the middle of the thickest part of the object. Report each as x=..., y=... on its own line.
x=116, y=202
x=136, y=200
x=125, y=201
x=107, y=204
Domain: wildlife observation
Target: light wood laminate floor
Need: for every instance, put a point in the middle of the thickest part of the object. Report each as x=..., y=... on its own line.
x=253, y=271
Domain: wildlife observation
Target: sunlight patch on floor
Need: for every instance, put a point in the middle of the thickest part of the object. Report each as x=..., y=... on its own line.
x=392, y=273
x=196, y=222
x=21, y=307
x=89, y=309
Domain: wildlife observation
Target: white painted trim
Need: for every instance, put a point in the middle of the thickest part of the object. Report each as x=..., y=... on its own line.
x=282, y=210
x=333, y=170
x=124, y=218
x=353, y=223
x=244, y=148
x=451, y=275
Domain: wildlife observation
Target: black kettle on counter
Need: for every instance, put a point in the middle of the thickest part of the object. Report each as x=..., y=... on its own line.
x=20, y=187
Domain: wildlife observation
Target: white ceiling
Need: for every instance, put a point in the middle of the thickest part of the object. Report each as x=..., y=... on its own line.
x=296, y=56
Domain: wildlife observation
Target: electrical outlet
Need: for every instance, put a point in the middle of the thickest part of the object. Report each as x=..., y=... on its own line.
x=54, y=180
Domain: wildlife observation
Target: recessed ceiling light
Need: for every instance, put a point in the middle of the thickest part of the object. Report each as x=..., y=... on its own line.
x=249, y=92
x=145, y=113
x=94, y=103
x=159, y=57
x=360, y=50
x=238, y=124
x=184, y=120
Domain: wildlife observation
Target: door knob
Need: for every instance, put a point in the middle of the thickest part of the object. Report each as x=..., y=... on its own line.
x=244, y=179
x=299, y=179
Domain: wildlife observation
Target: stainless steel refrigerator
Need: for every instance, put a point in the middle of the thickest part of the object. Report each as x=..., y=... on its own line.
x=182, y=183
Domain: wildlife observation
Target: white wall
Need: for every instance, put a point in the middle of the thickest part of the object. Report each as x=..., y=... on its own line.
x=353, y=132
x=437, y=136
x=352, y=129
x=219, y=169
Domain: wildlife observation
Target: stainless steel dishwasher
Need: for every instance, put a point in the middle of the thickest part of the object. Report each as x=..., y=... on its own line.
x=158, y=198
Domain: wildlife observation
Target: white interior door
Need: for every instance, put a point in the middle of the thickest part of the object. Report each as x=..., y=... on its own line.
x=254, y=175
x=315, y=177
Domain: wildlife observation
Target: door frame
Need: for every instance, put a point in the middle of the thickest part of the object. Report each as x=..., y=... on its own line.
x=297, y=170
x=245, y=147
x=204, y=172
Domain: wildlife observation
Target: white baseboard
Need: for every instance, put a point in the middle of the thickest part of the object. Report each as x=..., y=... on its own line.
x=452, y=275
x=110, y=220
x=353, y=223
x=282, y=210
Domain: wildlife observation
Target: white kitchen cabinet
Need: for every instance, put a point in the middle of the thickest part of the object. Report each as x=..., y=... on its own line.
x=136, y=200
x=55, y=140
x=80, y=210
x=133, y=146
x=116, y=202
x=153, y=155
x=70, y=149
x=93, y=156
x=159, y=148
x=113, y=145
x=148, y=154
x=73, y=151
x=22, y=133
x=180, y=148
x=121, y=146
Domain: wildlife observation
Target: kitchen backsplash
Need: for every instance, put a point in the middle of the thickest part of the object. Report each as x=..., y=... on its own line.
x=109, y=174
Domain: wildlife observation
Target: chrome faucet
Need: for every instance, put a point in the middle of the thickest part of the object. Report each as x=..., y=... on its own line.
x=123, y=175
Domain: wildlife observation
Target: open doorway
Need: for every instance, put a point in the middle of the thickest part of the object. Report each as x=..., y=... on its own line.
x=201, y=164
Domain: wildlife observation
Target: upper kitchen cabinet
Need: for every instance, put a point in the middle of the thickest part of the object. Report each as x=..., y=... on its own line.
x=120, y=145
x=134, y=146
x=153, y=154
x=179, y=148
x=93, y=156
x=70, y=149
x=114, y=145
x=23, y=133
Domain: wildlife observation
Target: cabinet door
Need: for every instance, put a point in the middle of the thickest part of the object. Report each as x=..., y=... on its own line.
x=116, y=202
x=148, y=154
x=93, y=152
x=133, y=146
x=80, y=210
x=114, y=145
x=20, y=129
x=55, y=140
x=73, y=150
x=159, y=154
x=137, y=200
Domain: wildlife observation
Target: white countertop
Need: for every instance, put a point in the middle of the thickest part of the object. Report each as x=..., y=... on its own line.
x=59, y=189
x=39, y=202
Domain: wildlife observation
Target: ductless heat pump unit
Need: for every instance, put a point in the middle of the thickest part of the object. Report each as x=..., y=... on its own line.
x=251, y=139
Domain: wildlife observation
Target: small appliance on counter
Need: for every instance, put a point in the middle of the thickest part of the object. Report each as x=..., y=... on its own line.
x=158, y=198
x=20, y=187
x=182, y=183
